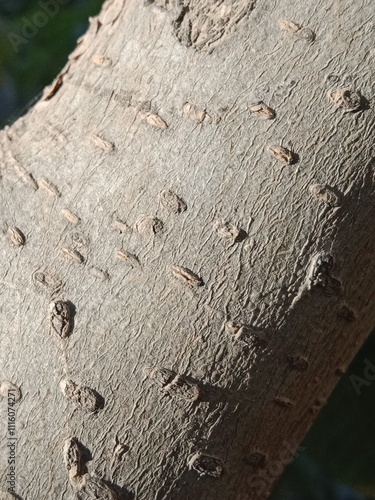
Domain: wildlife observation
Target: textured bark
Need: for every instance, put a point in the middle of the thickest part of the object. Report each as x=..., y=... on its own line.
x=187, y=248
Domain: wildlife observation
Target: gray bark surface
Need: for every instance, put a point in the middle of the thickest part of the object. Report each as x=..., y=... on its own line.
x=212, y=290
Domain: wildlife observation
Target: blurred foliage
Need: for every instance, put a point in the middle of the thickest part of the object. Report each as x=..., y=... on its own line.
x=305, y=480
x=340, y=446
x=25, y=73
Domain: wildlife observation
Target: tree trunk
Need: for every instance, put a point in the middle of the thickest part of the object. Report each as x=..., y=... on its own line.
x=187, y=248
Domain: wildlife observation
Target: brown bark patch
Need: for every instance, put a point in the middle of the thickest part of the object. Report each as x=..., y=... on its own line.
x=203, y=24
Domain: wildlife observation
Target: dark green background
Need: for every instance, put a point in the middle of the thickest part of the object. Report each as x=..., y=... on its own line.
x=24, y=74
x=337, y=458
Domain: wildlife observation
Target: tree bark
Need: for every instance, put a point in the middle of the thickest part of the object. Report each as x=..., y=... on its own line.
x=187, y=247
